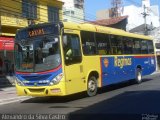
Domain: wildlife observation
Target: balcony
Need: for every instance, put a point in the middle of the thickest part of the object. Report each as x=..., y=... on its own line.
x=79, y=4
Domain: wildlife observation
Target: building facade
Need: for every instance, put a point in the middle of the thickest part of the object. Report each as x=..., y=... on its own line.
x=16, y=14
x=73, y=11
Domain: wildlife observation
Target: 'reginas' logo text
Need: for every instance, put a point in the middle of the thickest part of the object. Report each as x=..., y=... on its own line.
x=121, y=62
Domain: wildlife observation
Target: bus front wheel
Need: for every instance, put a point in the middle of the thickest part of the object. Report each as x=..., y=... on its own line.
x=92, y=86
x=138, y=76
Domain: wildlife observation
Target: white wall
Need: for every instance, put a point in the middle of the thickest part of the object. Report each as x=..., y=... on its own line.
x=68, y=3
x=78, y=15
x=136, y=18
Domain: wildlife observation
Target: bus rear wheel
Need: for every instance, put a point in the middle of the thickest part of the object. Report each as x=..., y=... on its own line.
x=138, y=76
x=92, y=86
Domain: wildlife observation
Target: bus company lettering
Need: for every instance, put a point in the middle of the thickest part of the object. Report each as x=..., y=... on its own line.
x=36, y=32
x=121, y=62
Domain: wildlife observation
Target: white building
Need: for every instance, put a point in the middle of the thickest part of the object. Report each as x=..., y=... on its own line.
x=136, y=18
x=73, y=11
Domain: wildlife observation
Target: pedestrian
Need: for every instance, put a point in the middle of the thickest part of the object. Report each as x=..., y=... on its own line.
x=6, y=62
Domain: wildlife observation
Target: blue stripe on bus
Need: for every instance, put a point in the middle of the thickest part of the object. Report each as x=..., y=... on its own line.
x=36, y=78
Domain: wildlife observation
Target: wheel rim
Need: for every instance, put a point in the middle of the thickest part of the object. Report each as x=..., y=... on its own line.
x=91, y=86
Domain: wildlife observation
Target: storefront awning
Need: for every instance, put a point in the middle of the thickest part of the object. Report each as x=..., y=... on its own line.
x=6, y=43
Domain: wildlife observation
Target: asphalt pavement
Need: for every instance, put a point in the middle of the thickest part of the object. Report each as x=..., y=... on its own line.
x=127, y=101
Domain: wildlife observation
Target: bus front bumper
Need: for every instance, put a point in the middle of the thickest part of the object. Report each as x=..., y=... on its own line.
x=40, y=91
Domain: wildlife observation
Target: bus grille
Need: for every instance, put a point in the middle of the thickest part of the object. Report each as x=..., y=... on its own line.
x=36, y=90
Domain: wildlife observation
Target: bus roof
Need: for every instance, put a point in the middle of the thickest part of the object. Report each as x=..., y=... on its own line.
x=92, y=28
x=102, y=29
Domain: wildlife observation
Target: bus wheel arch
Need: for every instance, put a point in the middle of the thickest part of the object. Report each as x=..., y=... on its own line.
x=92, y=83
x=138, y=74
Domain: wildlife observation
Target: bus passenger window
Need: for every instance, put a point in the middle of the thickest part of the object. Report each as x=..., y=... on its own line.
x=116, y=45
x=144, y=47
x=136, y=46
x=103, y=44
x=150, y=47
x=71, y=48
x=127, y=45
x=88, y=43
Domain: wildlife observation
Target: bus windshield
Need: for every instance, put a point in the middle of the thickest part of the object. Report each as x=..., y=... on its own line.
x=37, y=54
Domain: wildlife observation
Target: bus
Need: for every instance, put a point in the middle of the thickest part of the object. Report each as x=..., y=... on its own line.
x=58, y=59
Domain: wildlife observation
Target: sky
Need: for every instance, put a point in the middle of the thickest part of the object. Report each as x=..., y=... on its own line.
x=91, y=6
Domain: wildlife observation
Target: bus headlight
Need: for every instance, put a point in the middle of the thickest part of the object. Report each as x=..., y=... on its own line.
x=20, y=83
x=56, y=80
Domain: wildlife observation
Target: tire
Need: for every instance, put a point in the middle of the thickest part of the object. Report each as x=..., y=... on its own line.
x=138, y=79
x=92, y=86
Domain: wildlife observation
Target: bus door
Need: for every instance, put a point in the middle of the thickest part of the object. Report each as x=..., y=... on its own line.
x=152, y=59
x=73, y=62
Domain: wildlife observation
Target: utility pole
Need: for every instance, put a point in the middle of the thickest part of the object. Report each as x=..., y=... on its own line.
x=145, y=20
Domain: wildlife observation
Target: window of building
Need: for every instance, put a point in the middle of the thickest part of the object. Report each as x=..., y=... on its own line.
x=78, y=4
x=116, y=45
x=53, y=14
x=88, y=43
x=66, y=12
x=72, y=12
x=103, y=44
x=72, y=49
x=29, y=9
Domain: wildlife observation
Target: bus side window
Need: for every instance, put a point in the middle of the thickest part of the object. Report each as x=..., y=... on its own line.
x=116, y=45
x=150, y=47
x=144, y=47
x=71, y=48
x=88, y=43
x=103, y=44
x=136, y=46
x=127, y=45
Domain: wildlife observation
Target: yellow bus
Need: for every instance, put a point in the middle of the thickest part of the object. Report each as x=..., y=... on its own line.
x=58, y=59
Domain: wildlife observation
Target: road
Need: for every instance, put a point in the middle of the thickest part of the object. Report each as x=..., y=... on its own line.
x=126, y=99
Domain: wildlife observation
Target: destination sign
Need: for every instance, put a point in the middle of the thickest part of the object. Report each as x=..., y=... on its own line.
x=36, y=32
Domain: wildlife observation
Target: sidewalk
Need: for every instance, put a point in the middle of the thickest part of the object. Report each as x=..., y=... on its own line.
x=8, y=91
x=8, y=95
x=6, y=81
x=156, y=72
